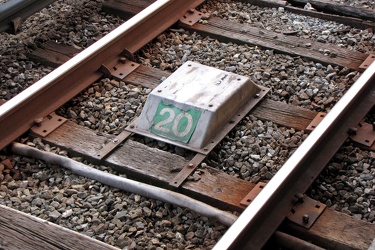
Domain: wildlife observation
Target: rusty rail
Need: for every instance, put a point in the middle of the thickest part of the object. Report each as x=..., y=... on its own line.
x=14, y=12
x=261, y=218
x=43, y=97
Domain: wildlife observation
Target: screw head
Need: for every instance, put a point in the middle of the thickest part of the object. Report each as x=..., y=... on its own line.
x=305, y=218
x=122, y=59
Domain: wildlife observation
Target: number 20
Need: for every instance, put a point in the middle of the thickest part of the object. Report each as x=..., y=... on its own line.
x=176, y=121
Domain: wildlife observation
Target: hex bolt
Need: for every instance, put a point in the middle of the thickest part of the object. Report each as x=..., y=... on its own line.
x=38, y=121
x=305, y=218
x=122, y=59
x=352, y=131
x=298, y=197
x=256, y=96
x=191, y=165
x=131, y=126
x=115, y=140
x=191, y=11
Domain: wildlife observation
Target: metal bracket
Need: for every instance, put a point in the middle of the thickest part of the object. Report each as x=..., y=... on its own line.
x=122, y=69
x=252, y=194
x=47, y=125
x=112, y=144
x=191, y=17
x=318, y=118
x=16, y=24
x=125, y=52
x=306, y=212
x=187, y=170
x=364, y=134
x=367, y=62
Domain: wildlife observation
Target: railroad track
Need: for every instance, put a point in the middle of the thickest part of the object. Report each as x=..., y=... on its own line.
x=107, y=58
x=14, y=12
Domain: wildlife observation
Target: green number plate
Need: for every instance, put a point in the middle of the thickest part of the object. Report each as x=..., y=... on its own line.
x=174, y=123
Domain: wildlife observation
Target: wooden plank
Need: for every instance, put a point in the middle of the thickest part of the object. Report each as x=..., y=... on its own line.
x=152, y=165
x=339, y=9
x=215, y=187
x=125, y=9
x=57, y=47
x=227, y=31
x=354, y=22
x=332, y=230
x=53, y=54
x=280, y=113
x=335, y=230
x=246, y=34
x=23, y=231
x=146, y=76
x=284, y=114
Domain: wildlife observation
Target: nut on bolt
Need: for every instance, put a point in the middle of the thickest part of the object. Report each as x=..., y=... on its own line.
x=298, y=197
x=352, y=131
x=38, y=121
x=122, y=59
x=305, y=218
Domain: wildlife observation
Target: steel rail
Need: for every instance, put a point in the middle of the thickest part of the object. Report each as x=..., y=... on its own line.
x=13, y=12
x=262, y=217
x=45, y=96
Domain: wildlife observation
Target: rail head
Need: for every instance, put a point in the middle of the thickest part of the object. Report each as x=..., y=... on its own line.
x=45, y=96
x=261, y=218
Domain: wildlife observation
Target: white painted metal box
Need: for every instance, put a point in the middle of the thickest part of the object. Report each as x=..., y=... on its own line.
x=193, y=104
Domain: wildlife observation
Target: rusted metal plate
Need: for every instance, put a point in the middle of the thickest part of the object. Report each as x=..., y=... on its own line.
x=48, y=125
x=365, y=134
x=252, y=194
x=187, y=170
x=367, y=62
x=318, y=118
x=306, y=212
x=120, y=70
x=112, y=144
x=123, y=69
x=191, y=17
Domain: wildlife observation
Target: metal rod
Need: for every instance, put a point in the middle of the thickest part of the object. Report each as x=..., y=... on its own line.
x=261, y=218
x=45, y=96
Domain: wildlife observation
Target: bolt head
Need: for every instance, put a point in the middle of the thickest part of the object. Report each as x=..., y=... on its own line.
x=305, y=218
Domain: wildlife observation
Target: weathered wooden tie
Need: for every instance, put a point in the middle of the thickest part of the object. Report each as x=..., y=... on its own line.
x=228, y=31
x=23, y=231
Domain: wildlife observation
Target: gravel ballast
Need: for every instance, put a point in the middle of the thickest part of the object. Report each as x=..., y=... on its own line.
x=253, y=151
